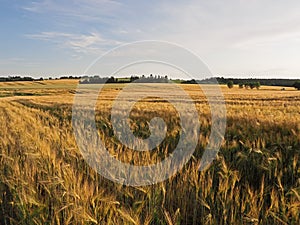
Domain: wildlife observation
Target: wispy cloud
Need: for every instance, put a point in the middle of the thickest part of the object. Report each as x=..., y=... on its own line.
x=49, y=36
x=87, y=25
x=92, y=43
x=84, y=10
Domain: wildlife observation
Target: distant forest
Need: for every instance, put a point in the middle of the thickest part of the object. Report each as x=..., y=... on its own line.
x=19, y=78
x=159, y=79
x=143, y=79
x=268, y=82
x=16, y=78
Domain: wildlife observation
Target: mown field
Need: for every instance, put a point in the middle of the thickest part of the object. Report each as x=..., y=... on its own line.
x=45, y=180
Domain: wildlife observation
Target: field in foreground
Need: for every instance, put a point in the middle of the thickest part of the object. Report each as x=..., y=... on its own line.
x=45, y=180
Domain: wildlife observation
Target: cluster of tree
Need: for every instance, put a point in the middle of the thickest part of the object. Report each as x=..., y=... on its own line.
x=193, y=81
x=237, y=81
x=19, y=78
x=15, y=78
x=69, y=77
x=257, y=85
x=97, y=80
x=143, y=79
x=297, y=85
x=230, y=84
x=250, y=85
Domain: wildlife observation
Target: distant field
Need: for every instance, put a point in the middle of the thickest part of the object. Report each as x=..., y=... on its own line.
x=44, y=179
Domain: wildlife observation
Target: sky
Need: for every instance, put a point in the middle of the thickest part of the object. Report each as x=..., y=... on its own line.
x=234, y=38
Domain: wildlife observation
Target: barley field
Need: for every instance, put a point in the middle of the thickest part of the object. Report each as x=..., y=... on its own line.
x=44, y=179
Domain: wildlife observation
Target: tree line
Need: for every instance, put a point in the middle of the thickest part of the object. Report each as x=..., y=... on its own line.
x=143, y=79
x=27, y=78
x=241, y=82
x=15, y=78
x=257, y=85
x=246, y=85
x=265, y=82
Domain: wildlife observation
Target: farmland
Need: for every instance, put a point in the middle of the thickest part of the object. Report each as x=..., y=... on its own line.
x=44, y=179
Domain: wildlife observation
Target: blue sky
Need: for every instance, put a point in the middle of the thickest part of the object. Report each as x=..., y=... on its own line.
x=236, y=38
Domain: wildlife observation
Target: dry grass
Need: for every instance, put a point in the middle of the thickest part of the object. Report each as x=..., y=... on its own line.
x=44, y=179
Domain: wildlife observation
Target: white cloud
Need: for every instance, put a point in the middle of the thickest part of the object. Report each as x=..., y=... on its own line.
x=49, y=36
x=92, y=43
x=85, y=41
